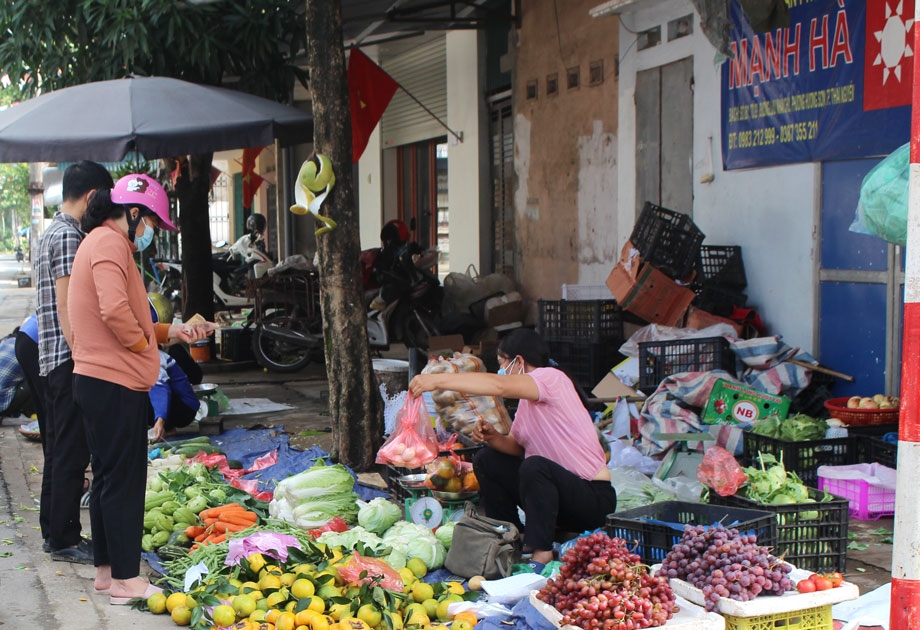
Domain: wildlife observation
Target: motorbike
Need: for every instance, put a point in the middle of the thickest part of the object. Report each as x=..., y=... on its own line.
x=288, y=328
x=230, y=268
x=19, y=255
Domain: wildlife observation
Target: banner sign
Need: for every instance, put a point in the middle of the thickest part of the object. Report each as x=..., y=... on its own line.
x=835, y=84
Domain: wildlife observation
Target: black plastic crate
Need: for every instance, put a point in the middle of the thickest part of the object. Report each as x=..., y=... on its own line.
x=391, y=474
x=882, y=451
x=580, y=320
x=811, y=536
x=802, y=458
x=717, y=299
x=586, y=363
x=668, y=240
x=722, y=265
x=236, y=344
x=658, y=359
x=657, y=527
x=810, y=401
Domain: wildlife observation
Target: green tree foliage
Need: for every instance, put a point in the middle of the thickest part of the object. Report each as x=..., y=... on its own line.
x=14, y=203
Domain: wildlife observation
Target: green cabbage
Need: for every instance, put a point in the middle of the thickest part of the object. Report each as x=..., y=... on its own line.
x=445, y=534
x=378, y=515
x=313, y=497
x=418, y=541
x=319, y=480
x=351, y=537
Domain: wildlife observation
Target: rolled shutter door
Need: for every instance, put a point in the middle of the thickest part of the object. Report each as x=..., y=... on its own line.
x=423, y=72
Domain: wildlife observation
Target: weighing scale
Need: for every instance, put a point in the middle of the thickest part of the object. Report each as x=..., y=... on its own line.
x=429, y=507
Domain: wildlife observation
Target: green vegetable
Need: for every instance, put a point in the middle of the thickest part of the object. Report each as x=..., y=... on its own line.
x=169, y=507
x=158, y=539
x=197, y=504
x=185, y=515
x=378, y=515
x=418, y=541
x=147, y=542
x=797, y=428
x=156, y=499
x=317, y=481
x=171, y=552
x=311, y=498
x=445, y=534
x=350, y=538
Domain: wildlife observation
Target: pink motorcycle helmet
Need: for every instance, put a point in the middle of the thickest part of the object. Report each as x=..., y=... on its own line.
x=142, y=190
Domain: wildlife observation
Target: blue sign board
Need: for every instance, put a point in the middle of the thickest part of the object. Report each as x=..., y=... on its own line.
x=835, y=84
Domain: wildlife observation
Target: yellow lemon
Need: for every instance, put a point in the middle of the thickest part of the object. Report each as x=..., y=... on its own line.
x=288, y=578
x=418, y=619
x=339, y=611
x=223, y=615
x=285, y=621
x=422, y=591
x=408, y=578
x=276, y=598
x=475, y=583
x=442, y=613
x=453, y=587
x=174, y=601
x=262, y=604
x=417, y=567
x=291, y=606
x=181, y=615
x=269, y=581
x=353, y=623
x=257, y=616
x=317, y=604
x=431, y=607
x=305, y=569
x=244, y=605
x=305, y=617
x=157, y=603
x=461, y=624
x=302, y=588
x=370, y=614
x=328, y=591
x=467, y=616
x=272, y=616
x=256, y=562
x=396, y=621
x=270, y=568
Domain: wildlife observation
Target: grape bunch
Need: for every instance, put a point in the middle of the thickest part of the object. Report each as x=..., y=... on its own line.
x=723, y=563
x=603, y=585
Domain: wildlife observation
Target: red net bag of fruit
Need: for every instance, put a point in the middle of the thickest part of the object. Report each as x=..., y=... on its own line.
x=720, y=471
x=413, y=443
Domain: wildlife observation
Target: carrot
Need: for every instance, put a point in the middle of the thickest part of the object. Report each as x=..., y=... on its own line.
x=204, y=534
x=215, y=511
x=229, y=527
x=215, y=538
x=239, y=518
x=194, y=547
x=209, y=521
x=192, y=531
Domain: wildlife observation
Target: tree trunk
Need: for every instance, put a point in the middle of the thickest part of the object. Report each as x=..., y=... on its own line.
x=354, y=400
x=192, y=188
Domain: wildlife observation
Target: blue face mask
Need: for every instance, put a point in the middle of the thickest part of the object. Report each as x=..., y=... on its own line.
x=505, y=371
x=143, y=241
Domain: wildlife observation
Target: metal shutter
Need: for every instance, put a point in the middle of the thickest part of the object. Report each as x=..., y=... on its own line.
x=423, y=72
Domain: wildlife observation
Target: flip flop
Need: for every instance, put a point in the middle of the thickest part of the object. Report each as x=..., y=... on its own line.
x=121, y=601
x=100, y=591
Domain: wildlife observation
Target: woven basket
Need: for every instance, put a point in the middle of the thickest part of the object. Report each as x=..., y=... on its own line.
x=860, y=417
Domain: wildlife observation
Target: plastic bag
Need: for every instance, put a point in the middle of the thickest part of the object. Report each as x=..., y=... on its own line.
x=336, y=524
x=883, y=199
x=720, y=471
x=460, y=412
x=373, y=568
x=413, y=444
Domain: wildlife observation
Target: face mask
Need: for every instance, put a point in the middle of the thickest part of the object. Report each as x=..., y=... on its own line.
x=504, y=371
x=143, y=241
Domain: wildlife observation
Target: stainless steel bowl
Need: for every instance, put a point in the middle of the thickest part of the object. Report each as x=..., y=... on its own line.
x=204, y=389
x=412, y=481
x=453, y=496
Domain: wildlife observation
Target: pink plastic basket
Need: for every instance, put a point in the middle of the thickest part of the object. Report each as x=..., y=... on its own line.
x=869, y=487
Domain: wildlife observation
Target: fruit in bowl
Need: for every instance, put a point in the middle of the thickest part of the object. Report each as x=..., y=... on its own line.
x=878, y=401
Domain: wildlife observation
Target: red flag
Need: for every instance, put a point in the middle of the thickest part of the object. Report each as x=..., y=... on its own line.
x=889, y=58
x=251, y=181
x=369, y=91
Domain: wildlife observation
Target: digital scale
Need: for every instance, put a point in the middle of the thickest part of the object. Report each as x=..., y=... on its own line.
x=429, y=507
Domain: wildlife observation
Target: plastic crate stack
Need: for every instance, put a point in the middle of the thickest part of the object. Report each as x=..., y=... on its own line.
x=668, y=240
x=584, y=336
x=720, y=280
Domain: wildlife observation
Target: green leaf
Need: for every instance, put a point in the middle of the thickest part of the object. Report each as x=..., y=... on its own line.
x=857, y=546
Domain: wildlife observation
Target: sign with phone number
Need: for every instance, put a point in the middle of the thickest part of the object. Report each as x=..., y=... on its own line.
x=835, y=84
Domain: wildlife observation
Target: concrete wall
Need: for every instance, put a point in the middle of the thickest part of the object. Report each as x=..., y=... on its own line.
x=770, y=212
x=565, y=149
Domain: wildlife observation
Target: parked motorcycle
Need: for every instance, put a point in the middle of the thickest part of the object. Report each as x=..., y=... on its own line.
x=19, y=255
x=414, y=315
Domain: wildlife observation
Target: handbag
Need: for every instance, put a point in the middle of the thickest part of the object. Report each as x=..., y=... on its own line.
x=483, y=546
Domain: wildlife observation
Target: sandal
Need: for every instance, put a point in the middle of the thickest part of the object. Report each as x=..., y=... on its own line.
x=84, y=499
x=121, y=601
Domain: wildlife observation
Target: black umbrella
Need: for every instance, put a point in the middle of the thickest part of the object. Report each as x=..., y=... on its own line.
x=153, y=116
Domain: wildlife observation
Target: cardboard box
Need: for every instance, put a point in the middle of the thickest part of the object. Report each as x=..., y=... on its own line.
x=647, y=292
x=730, y=403
x=505, y=311
x=612, y=387
x=446, y=342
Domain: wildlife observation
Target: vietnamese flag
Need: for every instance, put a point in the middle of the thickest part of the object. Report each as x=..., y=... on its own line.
x=370, y=90
x=251, y=181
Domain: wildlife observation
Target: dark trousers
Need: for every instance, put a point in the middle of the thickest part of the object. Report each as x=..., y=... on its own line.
x=116, y=426
x=27, y=357
x=551, y=496
x=68, y=452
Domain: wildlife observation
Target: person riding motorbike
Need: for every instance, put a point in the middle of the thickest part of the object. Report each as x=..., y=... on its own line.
x=19, y=255
x=249, y=250
x=395, y=267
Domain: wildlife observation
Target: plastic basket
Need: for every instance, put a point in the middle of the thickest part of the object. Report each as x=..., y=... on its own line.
x=869, y=501
x=722, y=265
x=580, y=320
x=585, y=292
x=718, y=300
x=880, y=451
x=817, y=618
x=860, y=417
x=667, y=240
x=657, y=527
x=802, y=458
x=810, y=536
x=586, y=363
x=658, y=359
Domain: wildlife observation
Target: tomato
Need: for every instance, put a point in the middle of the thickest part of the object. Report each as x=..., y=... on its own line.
x=836, y=578
x=806, y=586
x=822, y=583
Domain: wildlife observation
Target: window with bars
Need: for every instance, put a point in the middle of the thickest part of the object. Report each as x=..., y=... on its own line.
x=502, y=175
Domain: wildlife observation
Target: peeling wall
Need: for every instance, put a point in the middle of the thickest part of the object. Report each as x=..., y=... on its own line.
x=565, y=149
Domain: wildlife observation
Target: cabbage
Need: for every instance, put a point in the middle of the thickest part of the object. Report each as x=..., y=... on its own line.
x=350, y=539
x=378, y=515
x=418, y=541
x=320, y=510
x=396, y=558
x=313, y=497
x=445, y=534
x=319, y=480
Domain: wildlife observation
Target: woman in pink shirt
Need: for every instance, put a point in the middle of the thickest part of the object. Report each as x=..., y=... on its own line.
x=116, y=362
x=552, y=464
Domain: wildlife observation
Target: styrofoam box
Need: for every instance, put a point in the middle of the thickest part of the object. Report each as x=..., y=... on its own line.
x=770, y=604
x=689, y=617
x=585, y=292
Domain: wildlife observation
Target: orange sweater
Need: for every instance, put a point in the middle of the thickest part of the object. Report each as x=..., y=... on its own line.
x=114, y=337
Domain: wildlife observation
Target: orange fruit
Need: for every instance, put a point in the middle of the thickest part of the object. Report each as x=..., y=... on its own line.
x=453, y=485
x=470, y=483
